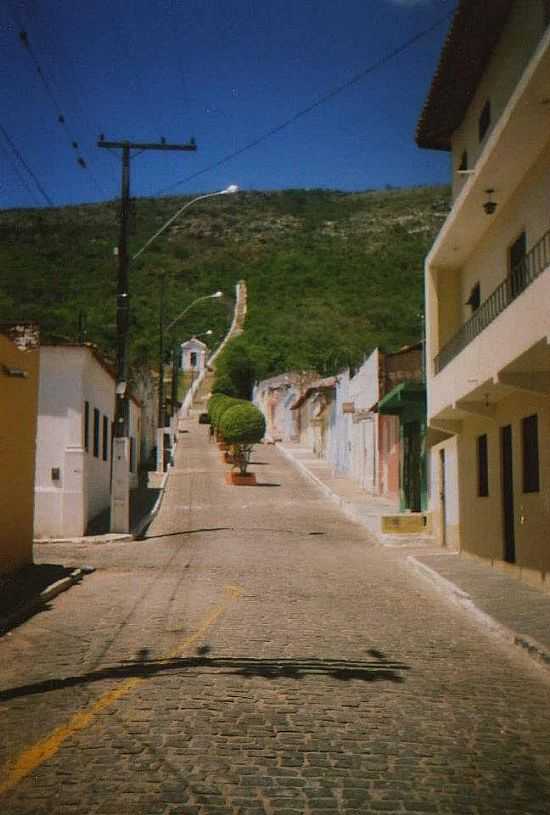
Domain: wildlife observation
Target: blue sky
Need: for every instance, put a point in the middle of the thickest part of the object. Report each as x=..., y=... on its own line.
x=225, y=72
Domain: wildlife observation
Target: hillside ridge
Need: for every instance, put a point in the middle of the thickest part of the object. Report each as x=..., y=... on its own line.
x=330, y=274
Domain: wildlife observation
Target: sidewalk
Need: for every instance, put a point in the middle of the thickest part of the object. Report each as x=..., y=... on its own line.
x=514, y=611
x=143, y=504
x=28, y=590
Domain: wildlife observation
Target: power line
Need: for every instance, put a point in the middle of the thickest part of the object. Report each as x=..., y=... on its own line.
x=18, y=155
x=25, y=42
x=19, y=174
x=374, y=66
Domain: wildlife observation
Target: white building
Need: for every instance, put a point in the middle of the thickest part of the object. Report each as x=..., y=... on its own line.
x=194, y=354
x=73, y=458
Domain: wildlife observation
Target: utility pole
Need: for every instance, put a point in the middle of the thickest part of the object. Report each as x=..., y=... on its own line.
x=161, y=421
x=120, y=499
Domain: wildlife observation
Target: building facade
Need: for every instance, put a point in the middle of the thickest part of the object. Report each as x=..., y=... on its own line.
x=488, y=287
x=19, y=372
x=74, y=439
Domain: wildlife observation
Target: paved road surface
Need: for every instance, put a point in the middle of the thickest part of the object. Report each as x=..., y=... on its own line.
x=258, y=655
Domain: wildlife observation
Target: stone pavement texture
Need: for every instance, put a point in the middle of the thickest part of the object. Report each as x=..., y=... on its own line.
x=514, y=610
x=258, y=654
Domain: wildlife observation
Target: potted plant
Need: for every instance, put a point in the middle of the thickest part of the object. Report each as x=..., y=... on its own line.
x=242, y=426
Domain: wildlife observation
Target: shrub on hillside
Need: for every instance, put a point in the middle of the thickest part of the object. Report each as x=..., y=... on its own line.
x=224, y=384
x=235, y=367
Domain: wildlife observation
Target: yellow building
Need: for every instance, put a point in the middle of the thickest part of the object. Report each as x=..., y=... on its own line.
x=19, y=363
x=488, y=287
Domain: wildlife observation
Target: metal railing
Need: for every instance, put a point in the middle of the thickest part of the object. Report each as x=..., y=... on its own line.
x=521, y=276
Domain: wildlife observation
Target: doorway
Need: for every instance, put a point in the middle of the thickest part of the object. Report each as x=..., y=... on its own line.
x=507, y=481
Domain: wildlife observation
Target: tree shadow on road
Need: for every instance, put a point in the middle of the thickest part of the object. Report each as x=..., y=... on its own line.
x=374, y=670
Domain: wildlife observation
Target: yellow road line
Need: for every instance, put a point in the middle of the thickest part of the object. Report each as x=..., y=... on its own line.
x=42, y=750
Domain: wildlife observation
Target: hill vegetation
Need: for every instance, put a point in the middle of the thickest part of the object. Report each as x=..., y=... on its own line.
x=330, y=275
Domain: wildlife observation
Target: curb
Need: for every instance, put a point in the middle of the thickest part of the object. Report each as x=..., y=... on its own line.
x=138, y=531
x=110, y=537
x=115, y=537
x=43, y=597
x=539, y=653
x=347, y=507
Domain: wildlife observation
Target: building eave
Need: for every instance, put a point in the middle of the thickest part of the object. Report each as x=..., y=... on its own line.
x=501, y=166
x=475, y=30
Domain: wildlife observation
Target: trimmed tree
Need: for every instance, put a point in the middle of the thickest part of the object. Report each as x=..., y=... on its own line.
x=217, y=405
x=242, y=426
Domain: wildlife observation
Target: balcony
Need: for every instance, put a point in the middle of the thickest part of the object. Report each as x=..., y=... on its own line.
x=523, y=274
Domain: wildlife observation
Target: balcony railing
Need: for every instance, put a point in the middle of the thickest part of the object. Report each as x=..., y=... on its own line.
x=521, y=276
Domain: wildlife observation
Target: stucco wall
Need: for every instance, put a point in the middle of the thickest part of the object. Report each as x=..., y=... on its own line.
x=69, y=377
x=18, y=410
x=481, y=518
x=447, y=482
x=511, y=55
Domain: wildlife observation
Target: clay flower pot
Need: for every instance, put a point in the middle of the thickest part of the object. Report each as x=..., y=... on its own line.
x=236, y=479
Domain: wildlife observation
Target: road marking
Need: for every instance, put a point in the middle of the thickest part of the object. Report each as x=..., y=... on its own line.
x=31, y=758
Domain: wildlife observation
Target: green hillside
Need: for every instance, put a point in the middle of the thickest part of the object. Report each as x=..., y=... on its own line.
x=330, y=275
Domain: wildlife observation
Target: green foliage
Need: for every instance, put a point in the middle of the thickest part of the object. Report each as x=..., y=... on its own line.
x=221, y=404
x=235, y=369
x=224, y=384
x=242, y=424
x=211, y=407
x=330, y=275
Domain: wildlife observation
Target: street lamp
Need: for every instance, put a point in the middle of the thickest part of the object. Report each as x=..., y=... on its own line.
x=231, y=190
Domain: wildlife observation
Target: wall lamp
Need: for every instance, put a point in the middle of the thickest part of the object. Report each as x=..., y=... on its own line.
x=490, y=206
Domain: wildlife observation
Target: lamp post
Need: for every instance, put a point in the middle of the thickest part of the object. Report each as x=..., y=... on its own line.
x=230, y=190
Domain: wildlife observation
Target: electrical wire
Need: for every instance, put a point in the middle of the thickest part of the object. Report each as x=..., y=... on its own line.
x=73, y=142
x=20, y=158
x=19, y=174
x=354, y=80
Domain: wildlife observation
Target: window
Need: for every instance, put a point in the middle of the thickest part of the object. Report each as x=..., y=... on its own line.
x=484, y=120
x=105, y=438
x=86, y=426
x=482, y=467
x=96, y=432
x=530, y=439
x=463, y=161
x=474, y=299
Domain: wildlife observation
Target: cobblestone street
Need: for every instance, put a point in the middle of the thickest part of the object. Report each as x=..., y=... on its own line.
x=257, y=653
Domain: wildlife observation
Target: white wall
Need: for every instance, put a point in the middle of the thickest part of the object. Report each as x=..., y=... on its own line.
x=69, y=376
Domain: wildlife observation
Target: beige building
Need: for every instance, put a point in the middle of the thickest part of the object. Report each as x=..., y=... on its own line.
x=488, y=287
x=19, y=366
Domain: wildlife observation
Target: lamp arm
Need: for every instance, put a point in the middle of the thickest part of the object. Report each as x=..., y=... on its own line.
x=172, y=219
x=185, y=310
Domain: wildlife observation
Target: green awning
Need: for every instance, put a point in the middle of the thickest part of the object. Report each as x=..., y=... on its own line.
x=403, y=397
